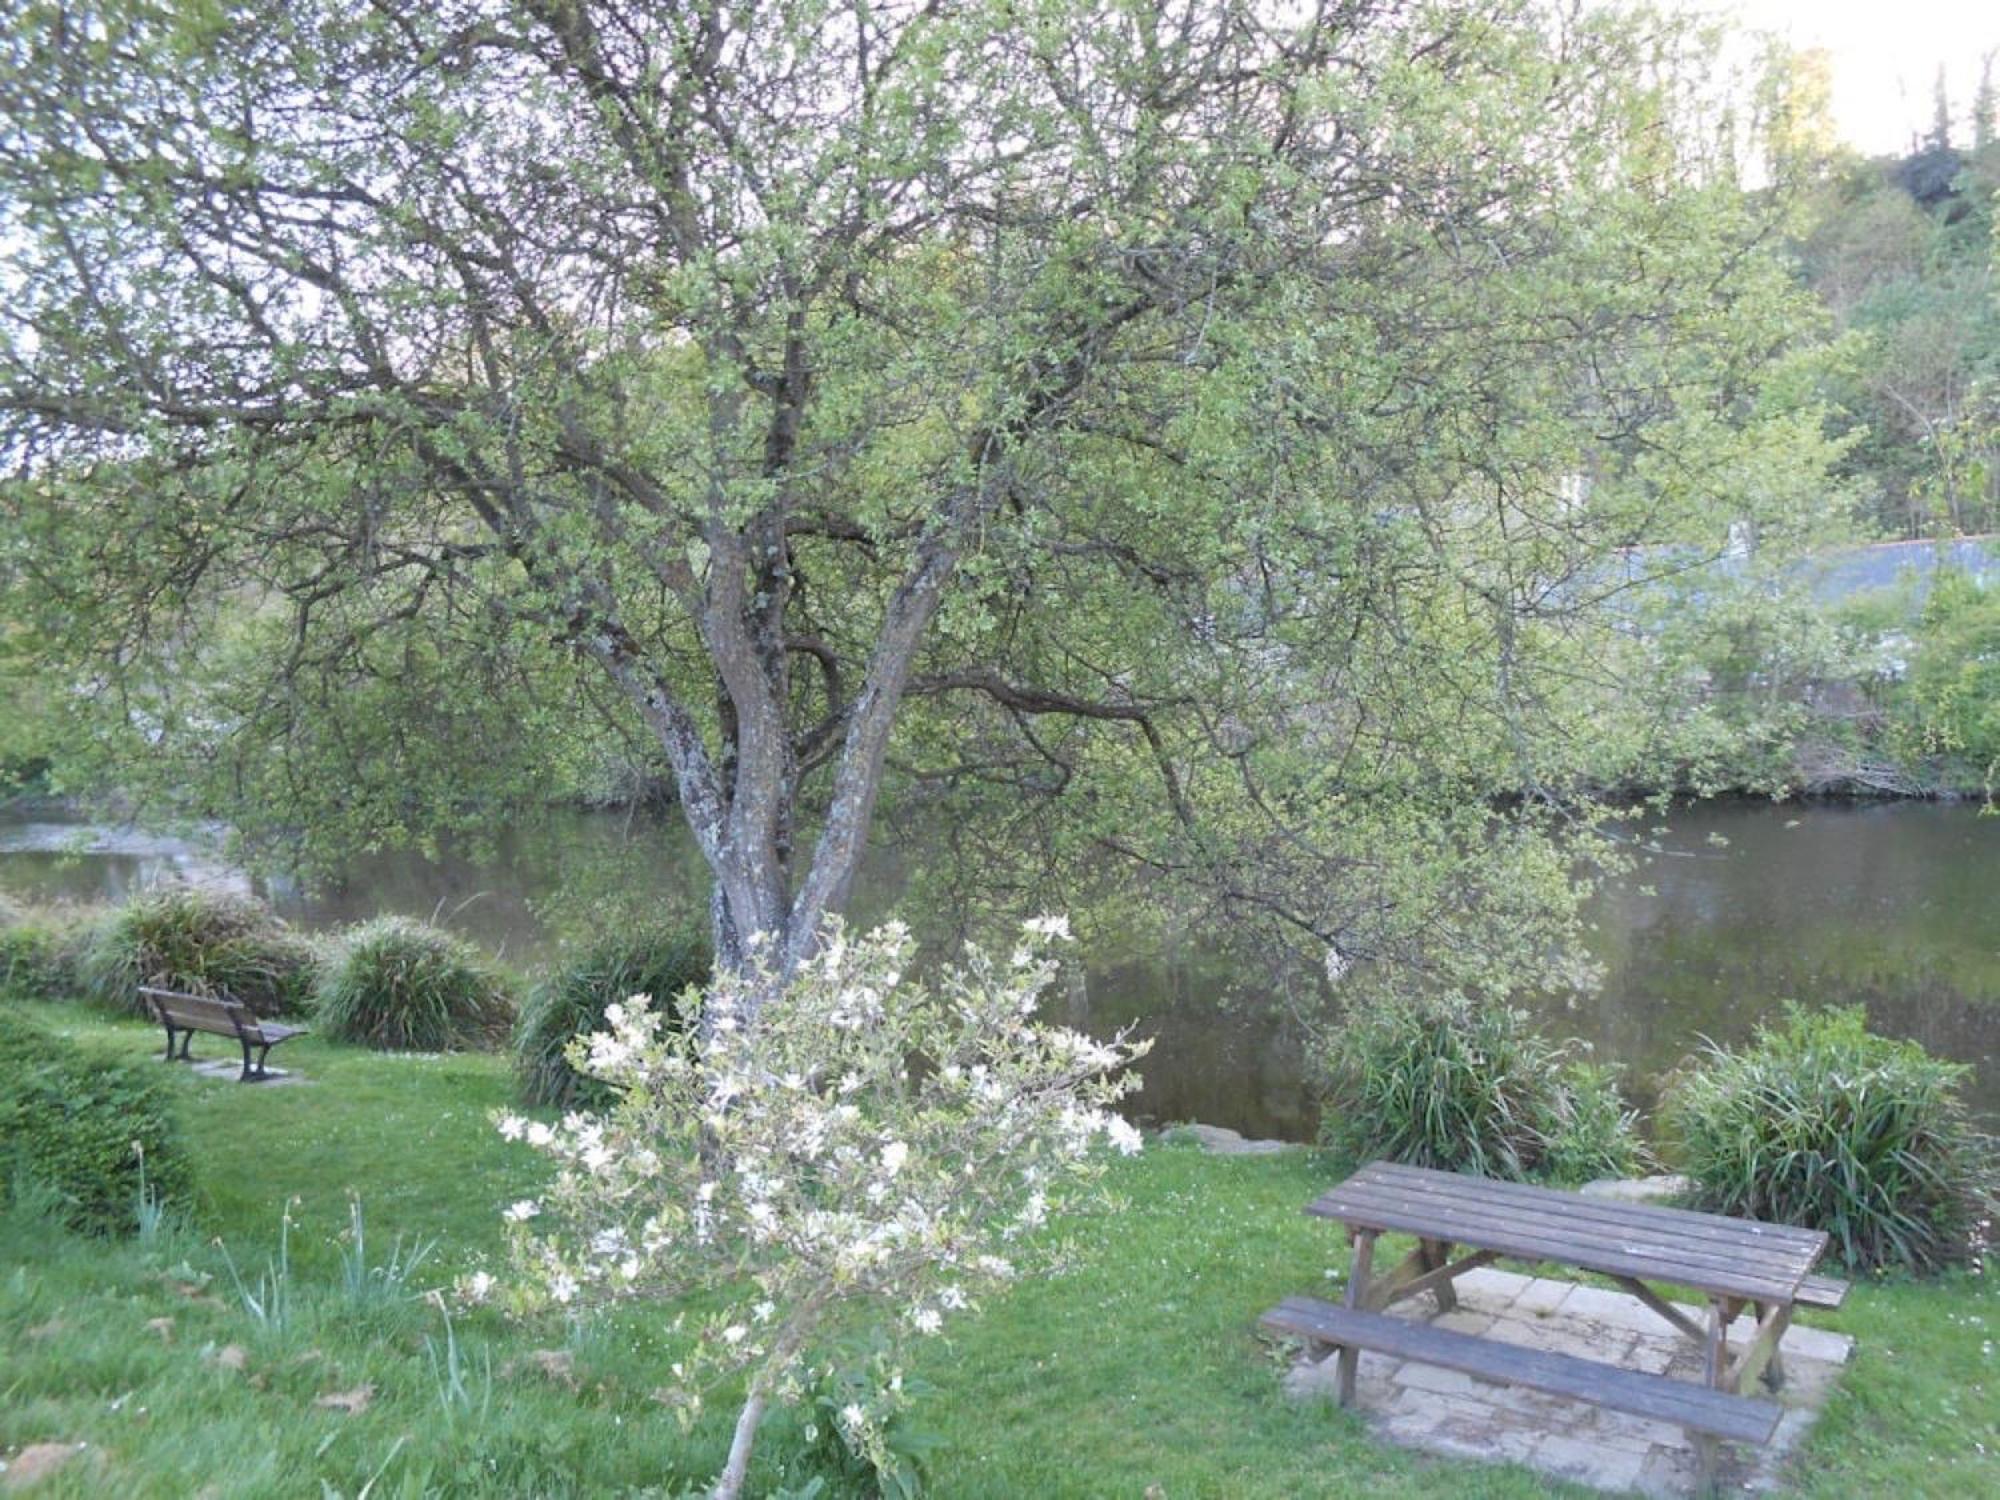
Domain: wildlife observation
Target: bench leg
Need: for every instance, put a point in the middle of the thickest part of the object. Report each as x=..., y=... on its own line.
x=170, y=1046
x=253, y=1074
x=1357, y=1298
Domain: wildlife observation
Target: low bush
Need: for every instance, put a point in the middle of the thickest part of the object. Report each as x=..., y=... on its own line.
x=1466, y=1086
x=39, y=955
x=570, y=1001
x=83, y=1133
x=400, y=985
x=187, y=937
x=1821, y=1123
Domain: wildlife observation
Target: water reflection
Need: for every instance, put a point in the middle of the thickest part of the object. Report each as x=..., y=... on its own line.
x=1742, y=907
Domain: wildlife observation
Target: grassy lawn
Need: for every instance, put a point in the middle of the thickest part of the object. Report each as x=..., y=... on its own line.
x=1137, y=1374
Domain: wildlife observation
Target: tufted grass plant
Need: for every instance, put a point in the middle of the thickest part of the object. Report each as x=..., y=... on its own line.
x=1469, y=1086
x=400, y=985
x=569, y=1003
x=192, y=938
x=1819, y=1122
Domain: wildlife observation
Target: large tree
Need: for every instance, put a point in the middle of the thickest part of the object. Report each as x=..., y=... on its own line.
x=1218, y=421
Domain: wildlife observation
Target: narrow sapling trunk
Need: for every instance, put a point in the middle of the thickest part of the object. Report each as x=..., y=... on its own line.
x=730, y=1483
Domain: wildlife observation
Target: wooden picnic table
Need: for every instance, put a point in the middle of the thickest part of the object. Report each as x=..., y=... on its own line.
x=1733, y=1263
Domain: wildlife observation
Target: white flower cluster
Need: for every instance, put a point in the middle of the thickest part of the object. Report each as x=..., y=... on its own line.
x=849, y=1136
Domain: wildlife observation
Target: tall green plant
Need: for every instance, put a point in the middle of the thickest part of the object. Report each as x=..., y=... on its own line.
x=569, y=1003
x=404, y=986
x=1465, y=1085
x=187, y=937
x=1821, y=1123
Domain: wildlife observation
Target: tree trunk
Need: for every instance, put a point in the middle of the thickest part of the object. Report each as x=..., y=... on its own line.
x=729, y=1484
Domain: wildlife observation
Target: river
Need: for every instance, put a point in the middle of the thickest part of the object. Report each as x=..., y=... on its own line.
x=1741, y=907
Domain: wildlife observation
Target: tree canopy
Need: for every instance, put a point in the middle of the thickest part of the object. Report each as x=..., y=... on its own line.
x=1238, y=442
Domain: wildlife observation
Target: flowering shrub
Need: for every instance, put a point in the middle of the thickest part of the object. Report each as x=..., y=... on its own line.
x=865, y=1140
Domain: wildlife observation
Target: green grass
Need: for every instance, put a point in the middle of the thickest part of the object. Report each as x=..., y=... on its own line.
x=1137, y=1370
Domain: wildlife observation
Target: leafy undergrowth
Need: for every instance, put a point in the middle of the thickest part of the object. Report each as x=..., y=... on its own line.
x=1137, y=1373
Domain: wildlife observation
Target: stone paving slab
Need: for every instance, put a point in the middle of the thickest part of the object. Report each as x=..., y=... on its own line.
x=219, y=1068
x=1450, y=1413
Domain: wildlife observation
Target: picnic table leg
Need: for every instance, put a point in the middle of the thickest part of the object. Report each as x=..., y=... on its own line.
x=1706, y=1447
x=1437, y=1254
x=1357, y=1297
x=1774, y=1371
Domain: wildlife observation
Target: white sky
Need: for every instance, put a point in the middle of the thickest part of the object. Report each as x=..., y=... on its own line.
x=1885, y=57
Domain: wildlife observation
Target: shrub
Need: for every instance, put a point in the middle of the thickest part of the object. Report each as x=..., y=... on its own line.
x=187, y=937
x=569, y=1003
x=38, y=956
x=1821, y=1123
x=400, y=985
x=69, y=1124
x=1466, y=1086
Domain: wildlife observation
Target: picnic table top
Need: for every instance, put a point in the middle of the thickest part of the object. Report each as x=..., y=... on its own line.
x=1724, y=1257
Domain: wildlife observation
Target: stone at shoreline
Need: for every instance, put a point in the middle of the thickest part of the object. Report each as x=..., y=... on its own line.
x=1219, y=1140
x=1661, y=1189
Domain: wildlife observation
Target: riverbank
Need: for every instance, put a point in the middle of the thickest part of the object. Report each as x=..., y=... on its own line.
x=1139, y=1372
x=1735, y=908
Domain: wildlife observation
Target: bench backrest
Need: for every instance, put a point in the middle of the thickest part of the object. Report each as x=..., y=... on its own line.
x=203, y=1012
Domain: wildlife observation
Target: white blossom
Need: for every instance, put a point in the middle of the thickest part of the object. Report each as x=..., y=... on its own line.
x=786, y=1162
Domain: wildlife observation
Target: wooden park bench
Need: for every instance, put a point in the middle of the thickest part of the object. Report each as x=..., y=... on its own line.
x=184, y=1015
x=1735, y=1263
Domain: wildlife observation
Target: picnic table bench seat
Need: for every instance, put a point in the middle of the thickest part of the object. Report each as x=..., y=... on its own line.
x=1700, y=1408
x=183, y=1015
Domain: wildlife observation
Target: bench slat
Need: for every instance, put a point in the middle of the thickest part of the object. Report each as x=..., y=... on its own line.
x=1822, y=1291
x=1698, y=1408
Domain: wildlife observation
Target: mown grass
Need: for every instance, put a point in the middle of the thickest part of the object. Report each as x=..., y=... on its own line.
x=1137, y=1373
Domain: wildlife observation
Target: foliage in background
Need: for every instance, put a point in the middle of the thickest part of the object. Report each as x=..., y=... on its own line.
x=203, y=941
x=568, y=1003
x=1821, y=1123
x=1901, y=252
x=400, y=985
x=872, y=1149
x=82, y=1133
x=1949, y=701
x=1466, y=1085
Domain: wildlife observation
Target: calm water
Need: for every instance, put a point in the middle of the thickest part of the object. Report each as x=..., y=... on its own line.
x=1742, y=907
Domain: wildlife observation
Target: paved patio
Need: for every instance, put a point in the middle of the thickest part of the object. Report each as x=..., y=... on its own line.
x=1444, y=1412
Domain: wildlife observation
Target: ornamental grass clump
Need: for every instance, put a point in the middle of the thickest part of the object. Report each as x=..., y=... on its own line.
x=850, y=1148
x=1821, y=1123
x=1470, y=1086
x=202, y=941
x=570, y=1003
x=400, y=985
